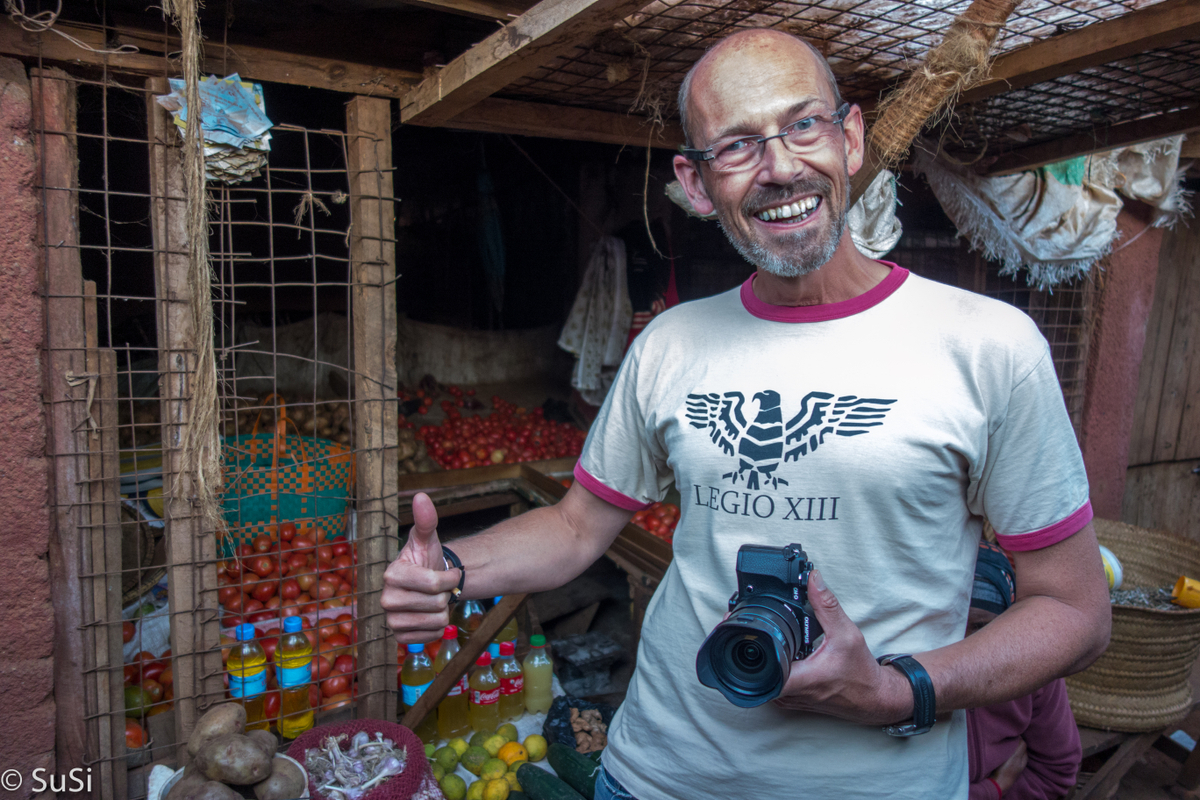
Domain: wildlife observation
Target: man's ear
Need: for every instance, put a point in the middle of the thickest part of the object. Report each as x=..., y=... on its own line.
x=855, y=136
x=693, y=185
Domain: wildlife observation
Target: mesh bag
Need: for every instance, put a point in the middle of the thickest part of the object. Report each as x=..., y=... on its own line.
x=414, y=783
x=277, y=477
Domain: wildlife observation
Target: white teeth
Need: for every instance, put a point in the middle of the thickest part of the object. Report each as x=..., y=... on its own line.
x=796, y=209
x=800, y=208
x=785, y=211
x=773, y=213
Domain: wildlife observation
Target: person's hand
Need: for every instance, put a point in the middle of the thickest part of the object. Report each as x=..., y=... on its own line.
x=1007, y=773
x=416, y=586
x=841, y=678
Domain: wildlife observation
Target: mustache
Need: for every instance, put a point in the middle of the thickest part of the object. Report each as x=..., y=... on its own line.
x=769, y=197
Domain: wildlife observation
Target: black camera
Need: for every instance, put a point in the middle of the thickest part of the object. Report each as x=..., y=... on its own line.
x=771, y=624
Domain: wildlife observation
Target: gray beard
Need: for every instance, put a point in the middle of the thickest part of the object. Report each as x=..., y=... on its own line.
x=812, y=255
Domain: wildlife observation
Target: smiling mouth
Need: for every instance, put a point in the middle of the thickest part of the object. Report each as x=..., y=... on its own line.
x=795, y=211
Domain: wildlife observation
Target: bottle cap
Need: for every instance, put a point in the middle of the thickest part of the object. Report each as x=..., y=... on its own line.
x=497, y=598
x=416, y=648
x=292, y=625
x=494, y=650
x=485, y=660
x=245, y=632
x=507, y=648
x=537, y=640
x=451, y=632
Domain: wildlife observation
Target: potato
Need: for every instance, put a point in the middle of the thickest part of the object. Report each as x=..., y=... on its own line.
x=233, y=758
x=217, y=721
x=191, y=782
x=266, y=740
x=286, y=781
x=214, y=790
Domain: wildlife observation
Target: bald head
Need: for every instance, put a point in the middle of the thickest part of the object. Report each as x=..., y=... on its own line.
x=740, y=51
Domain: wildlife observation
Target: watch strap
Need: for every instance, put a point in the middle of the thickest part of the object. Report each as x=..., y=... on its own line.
x=452, y=560
x=924, y=700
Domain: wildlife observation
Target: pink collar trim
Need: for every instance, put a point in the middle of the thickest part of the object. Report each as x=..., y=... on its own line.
x=826, y=311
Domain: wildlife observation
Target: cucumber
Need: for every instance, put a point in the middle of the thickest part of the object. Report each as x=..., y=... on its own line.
x=515, y=795
x=541, y=785
x=576, y=769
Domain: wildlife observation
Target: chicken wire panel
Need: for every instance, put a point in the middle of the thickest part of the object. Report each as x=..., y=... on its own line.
x=869, y=44
x=1157, y=81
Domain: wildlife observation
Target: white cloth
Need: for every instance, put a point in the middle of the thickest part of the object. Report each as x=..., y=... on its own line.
x=1056, y=231
x=597, y=329
x=872, y=220
x=877, y=433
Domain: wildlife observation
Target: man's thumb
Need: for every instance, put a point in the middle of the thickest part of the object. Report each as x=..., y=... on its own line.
x=825, y=604
x=425, y=520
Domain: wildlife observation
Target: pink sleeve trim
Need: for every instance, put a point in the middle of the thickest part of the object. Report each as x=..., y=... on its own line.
x=1036, y=540
x=606, y=494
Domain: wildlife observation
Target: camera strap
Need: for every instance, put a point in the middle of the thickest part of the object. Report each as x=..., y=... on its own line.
x=924, y=701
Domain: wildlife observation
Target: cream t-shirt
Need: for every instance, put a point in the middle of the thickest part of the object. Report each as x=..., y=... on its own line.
x=877, y=433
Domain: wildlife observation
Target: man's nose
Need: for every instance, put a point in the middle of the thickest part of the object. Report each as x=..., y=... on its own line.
x=779, y=164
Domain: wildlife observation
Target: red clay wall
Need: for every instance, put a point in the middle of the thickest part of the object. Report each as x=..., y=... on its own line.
x=1115, y=356
x=26, y=615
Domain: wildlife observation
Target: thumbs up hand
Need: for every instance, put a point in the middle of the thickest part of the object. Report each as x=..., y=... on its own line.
x=416, y=586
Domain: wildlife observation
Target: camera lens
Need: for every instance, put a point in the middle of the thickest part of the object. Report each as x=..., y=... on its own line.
x=748, y=656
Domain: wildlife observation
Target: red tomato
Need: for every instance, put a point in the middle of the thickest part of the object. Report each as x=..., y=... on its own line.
x=153, y=689
x=311, y=635
x=344, y=590
x=262, y=616
x=345, y=664
x=309, y=607
x=345, y=624
x=133, y=674
x=336, y=684
x=314, y=696
x=245, y=551
x=323, y=666
x=289, y=589
x=289, y=610
x=265, y=590
x=341, y=548
x=325, y=552
x=128, y=629
x=252, y=606
x=232, y=620
x=287, y=531
x=271, y=703
x=326, y=628
x=153, y=669
x=274, y=603
x=297, y=561
x=135, y=736
x=303, y=544
x=337, y=641
x=263, y=544
x=344, y=565
x=224, y=595
x=326, y=589
x=269, y=645
x=306, y=581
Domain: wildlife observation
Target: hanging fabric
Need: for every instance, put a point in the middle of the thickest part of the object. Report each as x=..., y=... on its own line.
x=597, y=328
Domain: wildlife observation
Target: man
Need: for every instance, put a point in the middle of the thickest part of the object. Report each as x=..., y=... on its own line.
x=835, y=401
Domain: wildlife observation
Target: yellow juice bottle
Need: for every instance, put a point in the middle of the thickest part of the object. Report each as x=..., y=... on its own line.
x=247, y=667
x=539, y=671
x=468, y=617
x=509, y=632
x=293, y=672
x=512, y=684
x=483, y=709
x=415, y=679
x=452, y=719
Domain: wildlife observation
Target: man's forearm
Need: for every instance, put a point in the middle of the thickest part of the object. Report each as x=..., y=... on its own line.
x=541, y=549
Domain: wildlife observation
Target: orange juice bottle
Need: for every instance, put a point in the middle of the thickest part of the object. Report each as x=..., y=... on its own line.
x=452, y=719
x=415, y=679
x=293, y=670
x=539, y=671
x=512, y=683
x=509, y=632
x=483, y=710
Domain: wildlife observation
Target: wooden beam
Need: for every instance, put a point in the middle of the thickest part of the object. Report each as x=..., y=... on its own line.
x=376, y=437
x=191, y=552
x=1159, y=25
x=498, y=10
x=520, y=118
x=544, y=32
x=252, y=63
x=1104, y=138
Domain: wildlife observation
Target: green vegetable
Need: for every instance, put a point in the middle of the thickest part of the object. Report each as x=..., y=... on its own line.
x=541, y=785
x=576, y=769
x=136, y=701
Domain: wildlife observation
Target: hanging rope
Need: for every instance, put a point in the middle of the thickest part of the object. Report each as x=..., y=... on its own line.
x=43, y=22
x=201, y=447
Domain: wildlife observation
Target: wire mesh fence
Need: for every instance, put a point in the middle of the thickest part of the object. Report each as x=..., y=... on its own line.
x=303, y=266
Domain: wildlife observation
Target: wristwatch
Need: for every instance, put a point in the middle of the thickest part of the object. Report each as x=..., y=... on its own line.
x=924, y=702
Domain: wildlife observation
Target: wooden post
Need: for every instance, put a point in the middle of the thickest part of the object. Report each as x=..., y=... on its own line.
x=53, y=95
x=191, y=551
x=376, y=435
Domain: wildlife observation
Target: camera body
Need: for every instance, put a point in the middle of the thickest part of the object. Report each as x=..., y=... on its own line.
x=748, y=656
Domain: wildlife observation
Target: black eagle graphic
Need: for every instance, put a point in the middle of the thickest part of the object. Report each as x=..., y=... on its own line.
x=766, y=442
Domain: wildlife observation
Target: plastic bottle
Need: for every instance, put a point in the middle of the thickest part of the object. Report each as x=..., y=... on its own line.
x=484, y=711
x=509, y=632
x=468, y=617
x=512, y=684
x=415, y=678
x=539, y=671
x=493, y=650
x=293, y=672
x=452, y=716
x=247, y=666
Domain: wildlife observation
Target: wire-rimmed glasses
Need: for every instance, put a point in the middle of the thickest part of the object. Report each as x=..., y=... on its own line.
x=801, y=136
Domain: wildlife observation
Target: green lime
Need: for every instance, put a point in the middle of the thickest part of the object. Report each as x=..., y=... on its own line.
x=474, y=758
x=438, y=772
x=430, y=747
x=446, y=758
x=479, y=737
x=454, y=787
x=508, y=731
x=459, y=745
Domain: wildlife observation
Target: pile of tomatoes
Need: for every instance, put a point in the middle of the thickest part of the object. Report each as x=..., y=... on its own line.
x=285, y=574
x=506, y=436
x=149, y=684
x=659, y=519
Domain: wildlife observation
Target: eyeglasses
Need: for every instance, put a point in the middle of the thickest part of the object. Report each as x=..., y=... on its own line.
x=801, y=136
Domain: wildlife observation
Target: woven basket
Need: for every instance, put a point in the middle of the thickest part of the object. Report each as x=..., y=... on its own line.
x=1141, y=683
